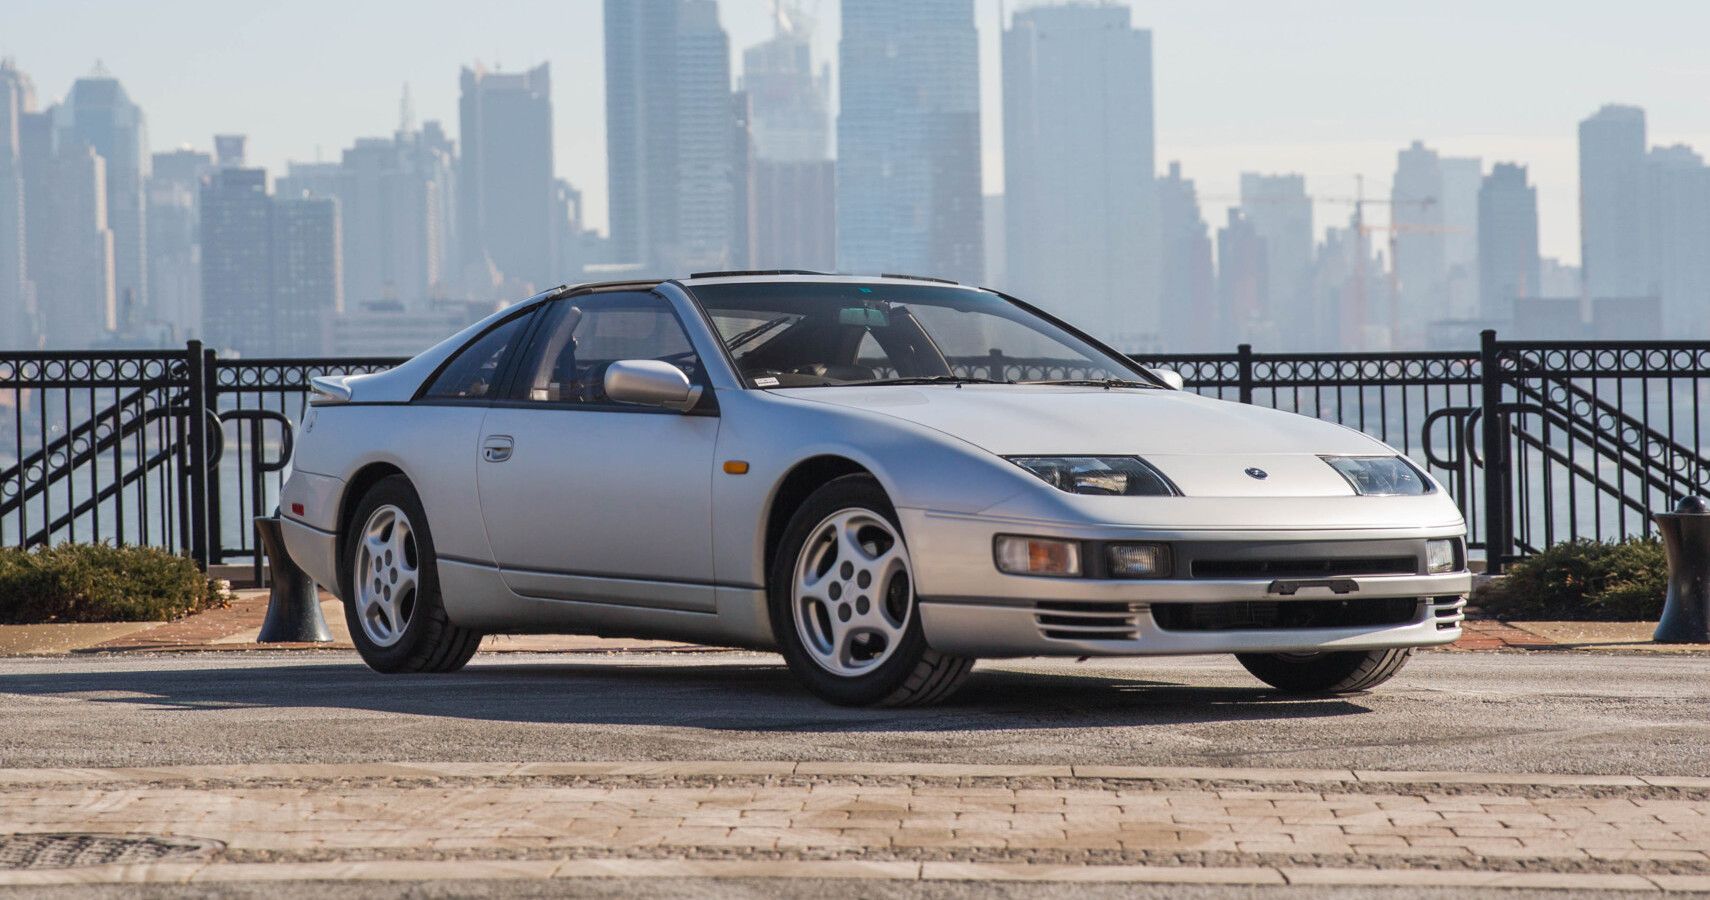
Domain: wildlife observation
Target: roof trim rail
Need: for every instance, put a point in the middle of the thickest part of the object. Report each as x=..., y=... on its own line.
x=740, y=272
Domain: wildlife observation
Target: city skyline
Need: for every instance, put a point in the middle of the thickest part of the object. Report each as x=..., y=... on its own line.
x=1335, y=101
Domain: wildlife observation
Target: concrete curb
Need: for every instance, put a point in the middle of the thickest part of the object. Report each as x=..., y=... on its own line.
x=760, y=768
x=471, y=870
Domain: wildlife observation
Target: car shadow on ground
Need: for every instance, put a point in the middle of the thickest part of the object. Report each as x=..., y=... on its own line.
x=746, y=696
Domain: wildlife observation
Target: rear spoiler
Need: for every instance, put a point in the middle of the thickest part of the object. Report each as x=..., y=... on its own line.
x=329, y=390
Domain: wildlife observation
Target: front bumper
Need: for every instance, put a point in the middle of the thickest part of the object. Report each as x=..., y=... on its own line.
x=969, y=608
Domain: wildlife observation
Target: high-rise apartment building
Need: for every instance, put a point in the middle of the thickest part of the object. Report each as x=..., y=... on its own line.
x=1188, y=298
x=1082, y=213
x=394, y=197
x=505, y=177
x=237, y=261
x=1507, y=242
x=305, y=289
x=1611, y=202
x=908, y=139
x=1463, y=177
x=271, y=267
x=793, y=211
x=98, y=113
x=17, y=306
x=1281, y=213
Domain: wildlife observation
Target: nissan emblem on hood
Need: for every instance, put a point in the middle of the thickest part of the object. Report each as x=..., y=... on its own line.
x=1256, y=472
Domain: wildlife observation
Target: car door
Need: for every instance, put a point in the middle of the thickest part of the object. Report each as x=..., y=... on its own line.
x=441, y=431
x=586, y=498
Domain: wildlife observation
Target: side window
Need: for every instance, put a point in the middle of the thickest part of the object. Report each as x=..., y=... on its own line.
x=584, y=335
x=472, y=372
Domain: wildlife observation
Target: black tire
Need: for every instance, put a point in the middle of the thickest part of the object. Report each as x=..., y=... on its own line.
x=1338, y=672
x=914, y=674
x=429, y=642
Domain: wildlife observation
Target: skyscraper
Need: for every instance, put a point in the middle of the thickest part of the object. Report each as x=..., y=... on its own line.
x=1082, y=214
x=793, y=221
x=76, y=285
x=670, y=149
x=100, y=114
x=908, y=139
x=505, y=179
x=1507, y=242
x=1188, y=297
x=1462, y=177
x=1677, y=227
x=394, y=213
x=1420, y=263
x=1281, y=213
x=174, y=239
x=705, y=165
x=17, y=314
x=1611, y=202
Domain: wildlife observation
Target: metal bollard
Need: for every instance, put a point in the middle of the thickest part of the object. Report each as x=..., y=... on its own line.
x=1686, y=537
x=293, y=609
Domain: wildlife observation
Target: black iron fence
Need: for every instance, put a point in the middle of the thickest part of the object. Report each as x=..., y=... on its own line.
x=1538, y=442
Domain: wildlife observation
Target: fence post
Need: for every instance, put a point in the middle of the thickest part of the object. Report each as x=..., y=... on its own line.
x=211, y=397
x=1498, y=534
x=198, y=450
x=1244, y=372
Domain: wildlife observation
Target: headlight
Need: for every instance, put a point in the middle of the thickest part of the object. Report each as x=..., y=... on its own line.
x=1116, y=476
x=1380, y=476
x=1036, y=556
x=1440, y=557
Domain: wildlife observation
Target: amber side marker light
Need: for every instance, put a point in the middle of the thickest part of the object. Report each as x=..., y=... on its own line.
x=735, y=467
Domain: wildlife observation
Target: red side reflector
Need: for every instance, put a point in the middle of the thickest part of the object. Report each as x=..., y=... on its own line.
x=296, y=509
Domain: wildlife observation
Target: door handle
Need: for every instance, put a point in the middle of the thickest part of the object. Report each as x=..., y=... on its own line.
x=497, y=448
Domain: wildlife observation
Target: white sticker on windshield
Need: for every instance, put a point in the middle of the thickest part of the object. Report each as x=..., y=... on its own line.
x=767, y=381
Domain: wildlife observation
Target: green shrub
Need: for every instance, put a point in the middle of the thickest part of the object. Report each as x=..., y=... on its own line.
x=1583, y=580
x=101, y=583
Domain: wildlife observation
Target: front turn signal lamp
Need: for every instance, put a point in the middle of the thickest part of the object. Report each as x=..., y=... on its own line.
x=1018, y=555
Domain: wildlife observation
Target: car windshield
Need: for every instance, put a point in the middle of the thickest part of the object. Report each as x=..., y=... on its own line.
x=808, y=334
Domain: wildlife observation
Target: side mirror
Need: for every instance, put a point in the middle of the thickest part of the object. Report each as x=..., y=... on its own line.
x=1170, y=377
x=651, y=383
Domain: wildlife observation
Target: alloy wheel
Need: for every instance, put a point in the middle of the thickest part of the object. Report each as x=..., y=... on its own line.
x=387, y=575
x=853, y=593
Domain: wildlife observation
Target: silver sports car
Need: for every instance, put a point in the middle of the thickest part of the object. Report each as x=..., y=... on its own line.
x=882, y=478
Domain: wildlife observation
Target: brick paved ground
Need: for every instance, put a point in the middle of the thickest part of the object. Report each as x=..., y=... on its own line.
x=918, y=821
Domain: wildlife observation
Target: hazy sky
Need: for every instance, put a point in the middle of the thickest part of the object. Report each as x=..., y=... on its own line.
x=1329, y=88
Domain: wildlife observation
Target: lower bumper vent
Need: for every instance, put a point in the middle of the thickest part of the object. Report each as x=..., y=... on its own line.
x=1448, y=611
x=1264, y=615
x=1070, y=621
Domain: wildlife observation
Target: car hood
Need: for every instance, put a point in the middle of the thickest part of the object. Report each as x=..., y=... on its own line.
x=1205, y=446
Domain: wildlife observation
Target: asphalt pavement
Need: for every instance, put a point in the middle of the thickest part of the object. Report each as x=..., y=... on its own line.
x=1539, y=712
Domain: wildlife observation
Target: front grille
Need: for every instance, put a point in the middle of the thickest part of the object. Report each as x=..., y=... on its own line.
x=1070, y=621
x=1304, y=568
x=1266, y=615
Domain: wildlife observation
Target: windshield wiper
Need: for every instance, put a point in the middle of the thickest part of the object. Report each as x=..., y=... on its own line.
x=1106, y=383
x=930, y=379
x=743, y=338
